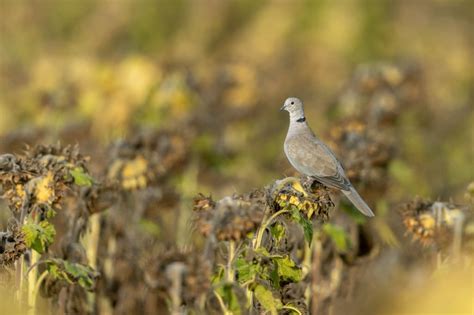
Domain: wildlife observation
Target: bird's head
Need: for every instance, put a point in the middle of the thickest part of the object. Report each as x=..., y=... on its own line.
x=294, y=106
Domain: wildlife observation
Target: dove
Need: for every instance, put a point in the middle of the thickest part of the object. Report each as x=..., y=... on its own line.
x=311, y=157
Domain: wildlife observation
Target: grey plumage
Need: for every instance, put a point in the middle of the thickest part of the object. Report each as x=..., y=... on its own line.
x=311, y=157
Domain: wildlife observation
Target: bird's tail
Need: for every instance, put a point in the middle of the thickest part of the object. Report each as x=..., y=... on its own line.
x=357, y=201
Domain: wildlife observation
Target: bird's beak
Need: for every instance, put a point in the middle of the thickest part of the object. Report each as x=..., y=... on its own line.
x=282, y=108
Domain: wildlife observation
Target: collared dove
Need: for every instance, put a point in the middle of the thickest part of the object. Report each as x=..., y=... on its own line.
x=311, y=157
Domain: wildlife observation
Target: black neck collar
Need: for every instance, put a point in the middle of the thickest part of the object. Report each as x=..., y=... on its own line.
x=302, y=119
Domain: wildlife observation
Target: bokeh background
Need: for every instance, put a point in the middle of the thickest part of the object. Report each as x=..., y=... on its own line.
x=92, y=72
x=101, y=68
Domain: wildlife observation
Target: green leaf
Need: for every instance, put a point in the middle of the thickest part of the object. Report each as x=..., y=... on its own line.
x=306, y=224
x=231, y=300
x=262, y=251
x=273, y=276
x=50, y=213
x=39, y=236
x=30, y=232
x=338, y=236
x=81, y=273
x=307, y=229
x=47, y=233
x=278, y=231
x=218, y=276
x=54, y=271
x=246, y=271
x=265, y=297
x=70, y=272
x=287, y=269
x=81, y=178
x=292, y=309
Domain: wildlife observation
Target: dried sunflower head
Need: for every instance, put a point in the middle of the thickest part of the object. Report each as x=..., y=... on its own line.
x=308, y=196
x=203, y=208
x=12, y=245
x=201, y=203
x=378, y=92
x=372, y=77
x=366, y=153
x=237, y=216
x=418, y=221
x=429, y=222
x=294, y=294
x=231, y=218
x=146, y=159
x=8, y=163
x=41, y=177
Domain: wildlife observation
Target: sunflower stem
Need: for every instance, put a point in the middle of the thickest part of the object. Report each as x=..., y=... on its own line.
x=265, y=225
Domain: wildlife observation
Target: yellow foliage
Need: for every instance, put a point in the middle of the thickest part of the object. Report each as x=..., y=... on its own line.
x=45, y=74
x=132, y=174
x=298, y=187
x=44, y=189
x=294, y=200
x=20, y=191
x=134, y=183
x=174, y=96
x=427, y=221
x=243, y=92
x=303, y=202
x=136, y=76
x=135, y=167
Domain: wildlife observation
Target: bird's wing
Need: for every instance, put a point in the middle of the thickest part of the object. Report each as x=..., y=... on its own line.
x=311, y=157
x=338, y=181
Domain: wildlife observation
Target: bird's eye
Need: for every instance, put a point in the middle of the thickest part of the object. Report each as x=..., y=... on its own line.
x=292, y=103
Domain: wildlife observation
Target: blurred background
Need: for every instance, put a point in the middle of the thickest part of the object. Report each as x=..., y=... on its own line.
x=215, y=73
x=92, y=71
